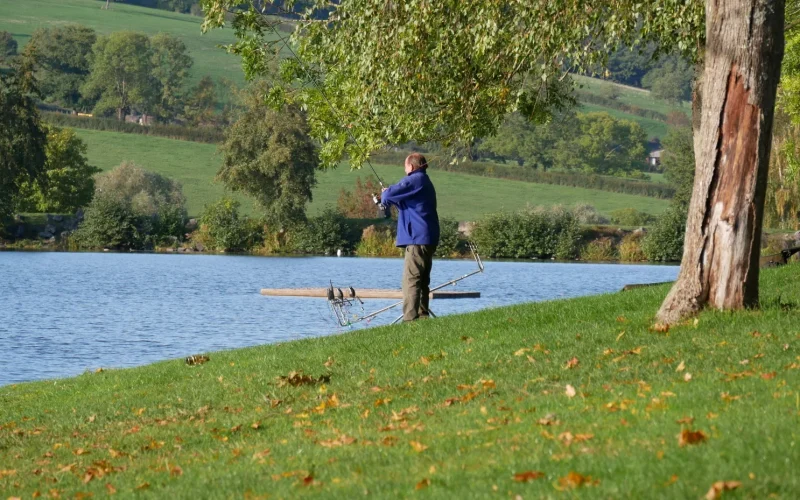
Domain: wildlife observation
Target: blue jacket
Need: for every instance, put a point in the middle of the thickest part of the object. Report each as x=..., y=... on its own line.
x=415, y=199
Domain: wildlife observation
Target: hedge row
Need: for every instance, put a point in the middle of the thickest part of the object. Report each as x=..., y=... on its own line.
x=588, y=181
x=210, y=135
x=588, y=97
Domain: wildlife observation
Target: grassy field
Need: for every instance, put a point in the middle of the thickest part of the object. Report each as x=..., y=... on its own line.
x=21, y=19
x=653, y=128
x=559, y=399
x=462, y=197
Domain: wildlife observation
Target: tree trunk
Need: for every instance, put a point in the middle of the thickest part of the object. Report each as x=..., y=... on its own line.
x=743, y=53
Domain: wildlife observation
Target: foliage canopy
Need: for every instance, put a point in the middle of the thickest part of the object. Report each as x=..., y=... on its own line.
x=376, y=73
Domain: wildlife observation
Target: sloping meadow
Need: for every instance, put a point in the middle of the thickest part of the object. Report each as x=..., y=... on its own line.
x=582, y=396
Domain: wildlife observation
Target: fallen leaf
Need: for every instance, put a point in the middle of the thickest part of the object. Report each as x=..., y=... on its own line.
x=681, y=367
x=418, y=447
x=423, y=484
x=687, y=437
x=110, y=488
x=570, y=391
x=143, y=486
x=549, y=419
x=81, y=451
x=575, y=480
x=260, y=454
x=718, y=487
x=522, y=351
x=727, y=397
x=660, y=327
x=382, y=401
x=572, y=363
x=687, y=377
x=768, y=376
x=298, y=378
x=175, y=471
x=328, y=363
x=524, y=477
x=685, y=420
x=425, y=361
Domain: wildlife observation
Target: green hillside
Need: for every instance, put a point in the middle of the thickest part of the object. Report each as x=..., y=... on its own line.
x=21, y=19
x=461, y=196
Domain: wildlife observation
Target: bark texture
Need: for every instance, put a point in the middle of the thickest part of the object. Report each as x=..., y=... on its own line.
x=743, y=53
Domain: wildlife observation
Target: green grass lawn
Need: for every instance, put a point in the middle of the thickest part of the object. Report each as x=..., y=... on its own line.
x=22, y=18
x=558, y=399
x=653, y=128
x=462, y=197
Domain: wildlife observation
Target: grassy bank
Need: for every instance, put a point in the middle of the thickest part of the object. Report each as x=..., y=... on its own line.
x=462, y=197
x=574, y=397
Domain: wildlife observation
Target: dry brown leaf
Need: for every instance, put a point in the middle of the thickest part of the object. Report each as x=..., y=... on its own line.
x=572, y=363
x=260, y=454
x=340, y=441
x=681, y=367
x=110, y=489
x=685, y=420
x=418, y=447
x=522, y=351
x=687, y=377
x=81, y=451
x=718, y=487
x=382, y=401
x=687, y=437
x=425, y=361
x=660, y=327
x=328, y=363
x=575, y=480
x=175, y=471
x=423, y=484
x=524, y=477
x=727, y=397
x=143, y=486
x=298, y=378
x=570, y=391
x=768, y=376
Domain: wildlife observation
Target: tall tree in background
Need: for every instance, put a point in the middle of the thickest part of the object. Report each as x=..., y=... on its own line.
x=170, y=64
x=120, y=75
x=8, y=47
x=269, y=155
x=67, y=182
x=200, y=102
x=22, y=138
x=450, y=70
x=62, y=56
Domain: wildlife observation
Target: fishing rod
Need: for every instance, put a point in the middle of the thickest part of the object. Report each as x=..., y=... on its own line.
x=337, y=302
x=376, y=197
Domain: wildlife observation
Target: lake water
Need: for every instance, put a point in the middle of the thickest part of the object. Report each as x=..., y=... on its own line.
x=64, y=313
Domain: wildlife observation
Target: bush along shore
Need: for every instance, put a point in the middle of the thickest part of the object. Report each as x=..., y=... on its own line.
x=575, y=234
x=581, y=396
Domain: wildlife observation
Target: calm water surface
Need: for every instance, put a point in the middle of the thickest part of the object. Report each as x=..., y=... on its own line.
x=64, y=313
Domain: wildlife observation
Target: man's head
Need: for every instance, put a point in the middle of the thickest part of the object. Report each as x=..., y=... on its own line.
x=414, y=162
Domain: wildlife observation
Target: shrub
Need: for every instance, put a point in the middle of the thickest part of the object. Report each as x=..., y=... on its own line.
x=599, y=250
x=377, y=241
x=529, y=234
x=631, y=217
x=449, y=238
x=664, y=242
x=222, y=228
x=587, y=214
x=630, y=248
x=110, y=222
x=154, y=198
x=323, y=234
x=358, y=204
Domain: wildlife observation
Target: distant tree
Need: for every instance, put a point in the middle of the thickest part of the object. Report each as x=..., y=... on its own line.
x=67, y=182
x=602, y=144
x=358, y=204
x=679, y=163
x=269, y=155
x=8, y=46
x=201, y=102
x=62, y=56
x=170, y=64
x=120, y=76
x=22, y=137
x=527, y=143
x=671, y=80
x=628, y=65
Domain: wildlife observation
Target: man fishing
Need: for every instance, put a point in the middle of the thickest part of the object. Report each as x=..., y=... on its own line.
x=417, y=232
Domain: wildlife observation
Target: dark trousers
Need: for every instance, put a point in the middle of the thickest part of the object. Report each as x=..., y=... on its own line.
x=417, y=280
